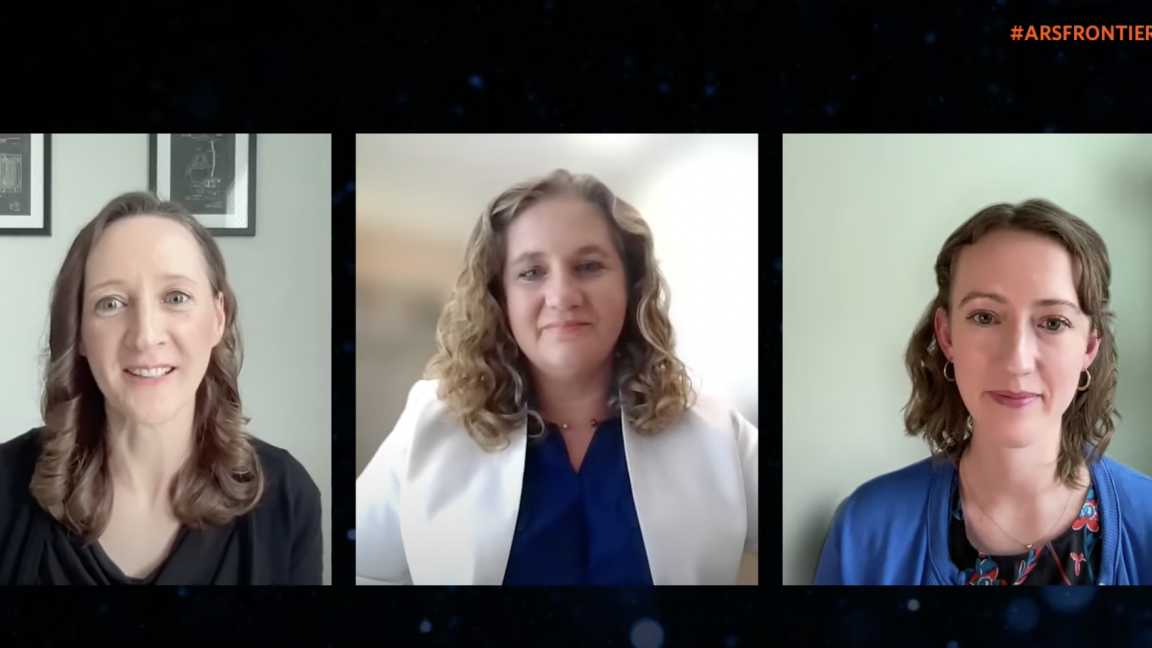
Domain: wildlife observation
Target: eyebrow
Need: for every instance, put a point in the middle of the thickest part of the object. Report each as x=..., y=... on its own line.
x=1001, y=299
x=587, y=249
x=116, y=283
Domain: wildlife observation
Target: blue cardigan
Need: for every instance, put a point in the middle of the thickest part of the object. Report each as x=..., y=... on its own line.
x=894, y=529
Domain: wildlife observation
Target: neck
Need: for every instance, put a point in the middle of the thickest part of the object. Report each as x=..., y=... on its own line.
x=571, y=400
x=143, y=460
x=1013, y=473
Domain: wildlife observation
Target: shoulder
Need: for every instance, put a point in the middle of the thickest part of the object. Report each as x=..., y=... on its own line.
x=424, y=407
x=713, y=411
x=426, y=423
x=891, y=494
x=1129, y=480
x=1132, y=489
x=18, y=458
x=713, y=419
x=19, y=454
x=287, y=483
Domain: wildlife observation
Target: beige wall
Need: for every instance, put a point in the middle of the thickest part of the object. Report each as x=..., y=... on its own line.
x=402, y=281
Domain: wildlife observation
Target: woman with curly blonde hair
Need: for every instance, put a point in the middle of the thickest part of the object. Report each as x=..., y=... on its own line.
x=144, y=473
x=1013, y=369
x=558, y=440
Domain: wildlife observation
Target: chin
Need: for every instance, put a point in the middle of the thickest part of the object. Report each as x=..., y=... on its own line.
x=1015, y=432
x=150, y=418
x=568, y=368
x=150, y=414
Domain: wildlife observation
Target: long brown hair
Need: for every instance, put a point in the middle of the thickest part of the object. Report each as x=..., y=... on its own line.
x=222, y=480
x=482, y=375
x=935, y=410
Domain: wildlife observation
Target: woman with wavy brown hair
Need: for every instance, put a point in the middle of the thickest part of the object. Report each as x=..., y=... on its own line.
x=1013, y=369
x=558, y=440
x=143, y=472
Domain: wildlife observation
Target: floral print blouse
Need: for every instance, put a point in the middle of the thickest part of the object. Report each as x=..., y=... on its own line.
x=1073, y=558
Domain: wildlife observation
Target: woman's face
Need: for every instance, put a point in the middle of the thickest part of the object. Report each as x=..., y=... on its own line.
x=150, y=319
x=565, y=287
x=1016, y=336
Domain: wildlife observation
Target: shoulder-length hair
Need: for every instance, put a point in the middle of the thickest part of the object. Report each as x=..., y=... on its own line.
x=221, y=481
x=483, y=377
x=936, y=412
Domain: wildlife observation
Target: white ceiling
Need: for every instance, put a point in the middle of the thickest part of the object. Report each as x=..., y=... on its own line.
x=438, y=184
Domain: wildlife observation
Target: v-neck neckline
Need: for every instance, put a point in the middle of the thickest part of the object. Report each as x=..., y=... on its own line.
x=117, y=573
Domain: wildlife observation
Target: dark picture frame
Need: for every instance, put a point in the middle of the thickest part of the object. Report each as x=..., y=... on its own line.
x=213, y=175
x=26, y=184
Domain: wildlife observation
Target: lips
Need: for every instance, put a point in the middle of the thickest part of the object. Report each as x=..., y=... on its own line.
x=566, y=325
x=1014, y=400
x=1015, y=395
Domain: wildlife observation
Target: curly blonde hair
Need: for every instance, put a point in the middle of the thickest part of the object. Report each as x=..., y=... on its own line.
x=483, y=377
x=220, y=482
x=935, y=410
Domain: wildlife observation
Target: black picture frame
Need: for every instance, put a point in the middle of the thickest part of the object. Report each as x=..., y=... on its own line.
x=26, y=184
x=218, y=184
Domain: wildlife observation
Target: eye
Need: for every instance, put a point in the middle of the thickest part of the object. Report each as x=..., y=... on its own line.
x=177, y=298
x=590, y=266
x=530, y=274
x=109, y=304
x=982, y=318
x=1056, y=324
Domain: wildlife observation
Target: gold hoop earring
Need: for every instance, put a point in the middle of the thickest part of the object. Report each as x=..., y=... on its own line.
x=945, y=371
x=1086, y=384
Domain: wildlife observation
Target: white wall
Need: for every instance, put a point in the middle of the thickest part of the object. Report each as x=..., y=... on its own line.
x=282, y=279
x=864, y=218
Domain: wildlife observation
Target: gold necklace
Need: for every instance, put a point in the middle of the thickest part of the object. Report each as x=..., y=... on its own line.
x=1027, y=545
x=594, y=422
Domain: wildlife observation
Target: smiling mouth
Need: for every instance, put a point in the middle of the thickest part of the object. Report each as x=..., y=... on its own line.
x=151, y=372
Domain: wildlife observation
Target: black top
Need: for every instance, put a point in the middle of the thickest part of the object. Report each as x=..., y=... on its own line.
x=278, y=543
x=1073, y=558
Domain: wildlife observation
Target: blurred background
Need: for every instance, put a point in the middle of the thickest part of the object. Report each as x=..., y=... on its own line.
x=864, y=218
x=418, y=197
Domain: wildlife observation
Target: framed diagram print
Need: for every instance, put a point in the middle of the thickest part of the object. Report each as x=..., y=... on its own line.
x=213, y=175
x=25, y=196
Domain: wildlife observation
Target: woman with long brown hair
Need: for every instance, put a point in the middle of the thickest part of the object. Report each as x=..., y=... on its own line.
x=1013, y=369
x=144, y=472
x=558, y=440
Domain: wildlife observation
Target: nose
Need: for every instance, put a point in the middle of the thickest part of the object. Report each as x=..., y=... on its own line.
x=561, y=292
x=1020, y=348
x=146, y=329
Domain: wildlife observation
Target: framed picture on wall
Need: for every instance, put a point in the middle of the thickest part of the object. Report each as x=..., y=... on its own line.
x=212, y=175
x=25, y=170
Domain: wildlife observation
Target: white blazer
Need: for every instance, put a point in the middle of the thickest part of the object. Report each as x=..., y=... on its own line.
x=434, y=508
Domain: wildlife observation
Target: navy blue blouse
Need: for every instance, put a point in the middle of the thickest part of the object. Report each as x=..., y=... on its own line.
x=578, y=528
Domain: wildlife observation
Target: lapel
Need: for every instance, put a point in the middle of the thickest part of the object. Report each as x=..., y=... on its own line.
x=460, y=515
x=689, y=494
